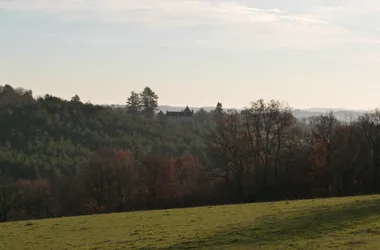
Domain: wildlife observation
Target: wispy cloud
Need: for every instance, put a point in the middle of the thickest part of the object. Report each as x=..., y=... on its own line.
x=155, y=12
x=310, y=26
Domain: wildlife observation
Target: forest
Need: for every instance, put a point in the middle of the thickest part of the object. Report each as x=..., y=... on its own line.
x=66, y=158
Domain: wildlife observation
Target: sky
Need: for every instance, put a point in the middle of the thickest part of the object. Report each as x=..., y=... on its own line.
x=314, y=53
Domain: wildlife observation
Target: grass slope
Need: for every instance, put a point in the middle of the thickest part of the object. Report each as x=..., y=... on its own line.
x=339, y=223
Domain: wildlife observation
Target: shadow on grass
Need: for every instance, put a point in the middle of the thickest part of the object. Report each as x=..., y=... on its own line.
x=308, y=224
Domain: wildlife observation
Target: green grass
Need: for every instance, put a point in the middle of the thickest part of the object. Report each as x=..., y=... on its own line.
x=338, y=223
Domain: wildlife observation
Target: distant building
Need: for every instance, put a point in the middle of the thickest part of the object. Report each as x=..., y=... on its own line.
x=186, y=113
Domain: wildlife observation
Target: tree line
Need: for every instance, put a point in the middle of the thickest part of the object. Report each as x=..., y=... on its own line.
x=65, y=158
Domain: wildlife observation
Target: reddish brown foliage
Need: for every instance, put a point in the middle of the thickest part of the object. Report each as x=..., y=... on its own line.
x=188, y=174
x=35, y=197
x=109, y=180
x=157, y=175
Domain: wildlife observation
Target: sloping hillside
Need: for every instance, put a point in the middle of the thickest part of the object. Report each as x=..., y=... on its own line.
x=344, y=223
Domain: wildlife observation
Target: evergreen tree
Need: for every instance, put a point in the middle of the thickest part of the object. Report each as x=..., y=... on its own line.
x=149, y=101
x=75, y=98
x=134, y=103
x=218, y=112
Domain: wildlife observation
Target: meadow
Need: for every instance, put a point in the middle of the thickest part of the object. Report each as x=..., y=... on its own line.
x=335, y=223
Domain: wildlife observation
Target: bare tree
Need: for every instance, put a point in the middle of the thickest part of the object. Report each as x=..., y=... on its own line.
x=270, y=128
x=8, y=200
x=109, y=180
x=229, y=147
x=370, y=123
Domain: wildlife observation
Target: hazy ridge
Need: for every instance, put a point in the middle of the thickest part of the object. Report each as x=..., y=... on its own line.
x=341, y=114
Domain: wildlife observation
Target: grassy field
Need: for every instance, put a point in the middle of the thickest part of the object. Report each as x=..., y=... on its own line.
x=339, y=223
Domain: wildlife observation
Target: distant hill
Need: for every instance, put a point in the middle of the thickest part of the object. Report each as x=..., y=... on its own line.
x=165, y=108
x=343, y=115
x=340, y=114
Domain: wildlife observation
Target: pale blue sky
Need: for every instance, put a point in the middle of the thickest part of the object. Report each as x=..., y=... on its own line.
x=314, y=53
